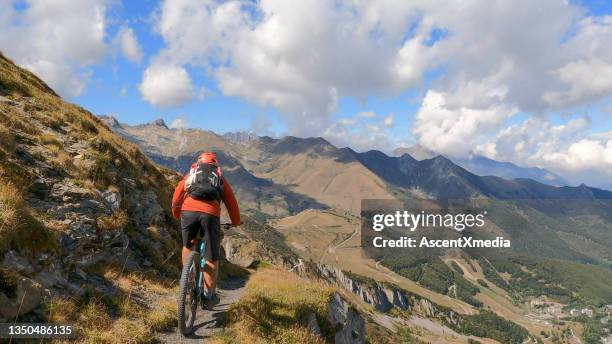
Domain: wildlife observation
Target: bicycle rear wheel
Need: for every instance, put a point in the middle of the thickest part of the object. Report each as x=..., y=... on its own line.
x=189, y=297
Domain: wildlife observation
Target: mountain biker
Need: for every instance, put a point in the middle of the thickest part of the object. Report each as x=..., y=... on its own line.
x=201, y=217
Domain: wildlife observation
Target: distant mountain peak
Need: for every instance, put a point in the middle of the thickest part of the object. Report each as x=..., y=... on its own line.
x=240, y=136
x=442, y=160
x=110, y=121
x=307, y=140
x=160, y=123
x=417, y=151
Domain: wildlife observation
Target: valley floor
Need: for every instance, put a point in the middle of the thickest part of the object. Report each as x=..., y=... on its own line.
x=333, y=238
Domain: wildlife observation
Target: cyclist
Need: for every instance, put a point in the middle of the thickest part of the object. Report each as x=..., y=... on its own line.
x=200, y=217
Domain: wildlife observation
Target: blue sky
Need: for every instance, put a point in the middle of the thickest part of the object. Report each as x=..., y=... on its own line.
x=521, y=81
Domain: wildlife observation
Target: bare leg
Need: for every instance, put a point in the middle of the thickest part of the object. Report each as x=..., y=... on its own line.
x=185, y=255
x=210, y=275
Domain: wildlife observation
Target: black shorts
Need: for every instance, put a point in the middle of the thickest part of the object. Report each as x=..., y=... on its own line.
x=207, y=227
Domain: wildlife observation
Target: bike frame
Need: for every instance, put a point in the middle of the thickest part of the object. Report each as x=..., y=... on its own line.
x=186, y=286
x=201, y=251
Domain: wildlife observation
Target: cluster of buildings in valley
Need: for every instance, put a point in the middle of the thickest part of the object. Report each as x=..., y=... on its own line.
x=544, y=309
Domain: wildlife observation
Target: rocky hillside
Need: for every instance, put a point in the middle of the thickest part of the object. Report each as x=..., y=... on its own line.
x=85, y=231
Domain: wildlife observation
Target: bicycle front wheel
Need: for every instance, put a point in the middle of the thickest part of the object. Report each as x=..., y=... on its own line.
x=189, y=297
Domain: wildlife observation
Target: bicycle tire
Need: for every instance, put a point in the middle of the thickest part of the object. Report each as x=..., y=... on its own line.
x=185, y=321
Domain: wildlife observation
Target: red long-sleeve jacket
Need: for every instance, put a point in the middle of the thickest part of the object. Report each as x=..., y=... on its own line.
x=209, y=207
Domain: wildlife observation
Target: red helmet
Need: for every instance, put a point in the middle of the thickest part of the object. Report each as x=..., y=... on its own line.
x=208, y=158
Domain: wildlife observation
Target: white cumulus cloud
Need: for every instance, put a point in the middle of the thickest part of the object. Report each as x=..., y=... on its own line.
x=166, y=85
x=301, y=57
x=570, y=149
x=455, y=129
x=179, y=123
x=297, y=57
x=363, y=132
x=56, y=40
x=128, y=43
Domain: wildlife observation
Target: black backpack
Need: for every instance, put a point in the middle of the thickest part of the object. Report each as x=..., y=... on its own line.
x=205, y=182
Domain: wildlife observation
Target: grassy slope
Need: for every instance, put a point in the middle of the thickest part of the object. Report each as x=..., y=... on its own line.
x=314, y=168
x=34, y=120
x=275, y=309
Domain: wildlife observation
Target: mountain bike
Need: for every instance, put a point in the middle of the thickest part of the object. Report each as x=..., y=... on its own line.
x=191, y=287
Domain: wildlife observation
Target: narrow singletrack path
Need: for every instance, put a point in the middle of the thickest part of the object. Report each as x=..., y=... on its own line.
x=208, y=322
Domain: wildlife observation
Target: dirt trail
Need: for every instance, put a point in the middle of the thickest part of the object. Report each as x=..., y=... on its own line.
x=209, y=322
x=330, y=246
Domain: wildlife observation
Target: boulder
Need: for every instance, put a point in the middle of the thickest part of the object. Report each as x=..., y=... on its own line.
x=28, y=296
x=145, y=209
x=313, y=325
x=113, y=199
x=18, y=263
x=349, y=325
x=238, y=251
x=51, y=278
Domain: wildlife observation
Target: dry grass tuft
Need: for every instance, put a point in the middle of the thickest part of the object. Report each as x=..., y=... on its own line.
x=7, y=140
x=47, y=139
x=131, y=331
x=127, y=326
x=131, y=310
x=164, y=317
x=61, y=310
x=94, y=316
x=65, y=160
x=113, y=222
x=154, y=233
x=11, y=204
x=19, y=230
x=274, y=309
x=131, y=323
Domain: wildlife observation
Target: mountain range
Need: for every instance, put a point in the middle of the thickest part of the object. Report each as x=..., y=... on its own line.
x=315, y=168
x=278, y=177
x=484, y=166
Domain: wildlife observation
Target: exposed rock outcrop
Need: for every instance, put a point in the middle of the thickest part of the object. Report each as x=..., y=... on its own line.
x=383, y=297
x=349, y=324
x=244, y=250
